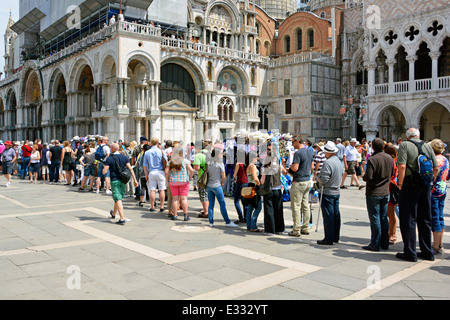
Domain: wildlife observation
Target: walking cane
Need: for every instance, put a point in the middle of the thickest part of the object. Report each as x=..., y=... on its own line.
x=320, y=207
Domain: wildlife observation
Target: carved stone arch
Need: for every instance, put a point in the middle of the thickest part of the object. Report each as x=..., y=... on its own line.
x=29, y=67
x=375, y=115
x=197, y=73
x=418, y=112
x=53, y=81
x=241, y=74
x=146, y=60
x=230, y=6
x=75, y=72
x=107, y=62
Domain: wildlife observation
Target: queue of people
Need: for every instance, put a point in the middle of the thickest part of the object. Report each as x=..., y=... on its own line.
x=255, y=171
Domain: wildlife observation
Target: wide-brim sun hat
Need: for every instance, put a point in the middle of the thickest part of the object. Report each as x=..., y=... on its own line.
x=330, y=147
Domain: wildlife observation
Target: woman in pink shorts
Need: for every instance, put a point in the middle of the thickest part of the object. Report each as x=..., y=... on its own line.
x=179, y=172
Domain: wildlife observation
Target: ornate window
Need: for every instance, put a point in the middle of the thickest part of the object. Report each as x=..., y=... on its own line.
x=225, y=109
x=411, y=33
x=435, y=28
x=391, y=37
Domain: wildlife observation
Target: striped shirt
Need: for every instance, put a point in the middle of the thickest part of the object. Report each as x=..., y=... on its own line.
x=320, y=158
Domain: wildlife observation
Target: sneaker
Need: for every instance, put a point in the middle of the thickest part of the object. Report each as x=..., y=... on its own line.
x=108, y=191
x=211, y=225
x=97, y=192
x=8, y=185
x=294, y=234
x=231, y=224
x=112, y=215
x=121, y=222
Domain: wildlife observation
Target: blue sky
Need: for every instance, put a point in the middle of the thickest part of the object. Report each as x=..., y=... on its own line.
x=4, y=17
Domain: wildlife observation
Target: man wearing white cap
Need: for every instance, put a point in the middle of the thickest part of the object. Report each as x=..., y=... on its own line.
x=350, y=164
x=330, y=178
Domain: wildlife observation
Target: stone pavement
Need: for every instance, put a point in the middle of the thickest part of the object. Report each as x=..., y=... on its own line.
x=57, y=243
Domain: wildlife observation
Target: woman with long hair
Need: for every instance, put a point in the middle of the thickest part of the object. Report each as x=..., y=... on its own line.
x=179, y=173
x=392, y=216
x=87, y=160
x=241, y=178
x=68, y=157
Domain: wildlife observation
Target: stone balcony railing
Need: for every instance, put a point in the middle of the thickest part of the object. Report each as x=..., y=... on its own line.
x=422, y=85
x=301, y=58
x=223, y=53
x=123, y=28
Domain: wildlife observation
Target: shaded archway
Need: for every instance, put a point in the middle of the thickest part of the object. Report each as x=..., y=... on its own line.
x=435, y=122
x=11, y=115
x=82, y=102
x=176, y=84
x=391, y=124
x=31, y=93
x=58, y=107
x=140, y=89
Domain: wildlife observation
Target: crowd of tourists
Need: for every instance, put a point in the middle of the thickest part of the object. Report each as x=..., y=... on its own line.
x=405, y=182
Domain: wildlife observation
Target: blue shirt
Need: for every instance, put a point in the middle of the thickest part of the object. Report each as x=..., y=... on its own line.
x=153, y=159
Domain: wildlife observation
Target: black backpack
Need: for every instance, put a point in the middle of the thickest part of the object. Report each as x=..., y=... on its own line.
x=124, y=174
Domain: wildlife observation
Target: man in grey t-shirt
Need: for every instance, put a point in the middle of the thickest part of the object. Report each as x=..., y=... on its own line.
x=301, y=171
x=330, y=178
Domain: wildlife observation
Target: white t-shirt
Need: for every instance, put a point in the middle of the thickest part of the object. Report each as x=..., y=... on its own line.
x=351, y=153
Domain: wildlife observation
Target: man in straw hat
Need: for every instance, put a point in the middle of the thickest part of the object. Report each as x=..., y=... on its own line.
x=330, y=178
x=350, y=164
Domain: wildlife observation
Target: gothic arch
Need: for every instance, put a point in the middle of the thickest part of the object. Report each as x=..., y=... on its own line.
x=418, y=112
x=378, y=111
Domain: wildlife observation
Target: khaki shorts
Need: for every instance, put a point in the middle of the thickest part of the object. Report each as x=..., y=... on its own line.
x=351, y=167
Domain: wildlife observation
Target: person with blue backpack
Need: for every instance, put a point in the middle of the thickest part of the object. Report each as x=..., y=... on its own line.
x=417, y=170
x=101, y=154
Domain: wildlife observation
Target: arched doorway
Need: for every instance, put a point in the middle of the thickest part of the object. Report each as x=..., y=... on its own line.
x=32, y=105
x=84, y=103
x=57, y=128
x=176, y=84
x=435, y=123
x=10, y=116
x=391, y=124
x=139, y=89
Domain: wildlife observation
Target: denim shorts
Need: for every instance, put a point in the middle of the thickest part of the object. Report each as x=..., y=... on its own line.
x=100, y=172
x=437, y=214
x=34, y=167
x=89, y=171
x=7, y=167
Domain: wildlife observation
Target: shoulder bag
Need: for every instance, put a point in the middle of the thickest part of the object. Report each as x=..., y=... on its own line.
x=124, y=174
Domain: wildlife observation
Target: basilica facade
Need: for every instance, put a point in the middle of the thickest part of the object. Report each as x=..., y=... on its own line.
x=126, y=77
x=334, y=68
